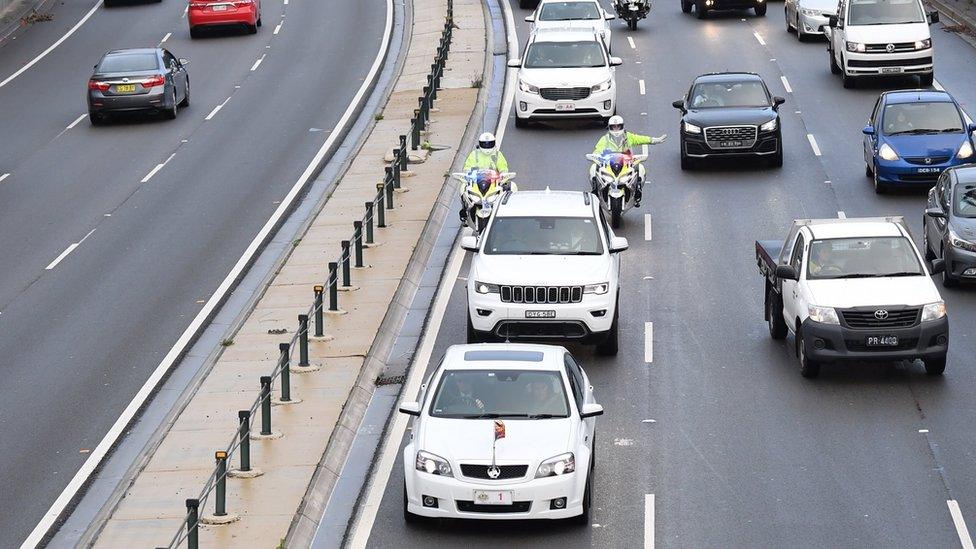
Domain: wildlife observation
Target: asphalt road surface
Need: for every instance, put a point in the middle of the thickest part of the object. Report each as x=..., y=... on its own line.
x=78, y=338
x=736, y=448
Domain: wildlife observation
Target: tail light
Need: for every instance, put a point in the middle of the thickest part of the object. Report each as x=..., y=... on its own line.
x=153, y=81
x=198, y=5
x=96, y=85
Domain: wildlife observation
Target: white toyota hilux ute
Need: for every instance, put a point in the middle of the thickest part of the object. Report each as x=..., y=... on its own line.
x=871, y=38
x=545, y=269
x=854, y=290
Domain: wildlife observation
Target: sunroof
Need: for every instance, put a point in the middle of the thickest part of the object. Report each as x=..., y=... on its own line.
x=512, y=356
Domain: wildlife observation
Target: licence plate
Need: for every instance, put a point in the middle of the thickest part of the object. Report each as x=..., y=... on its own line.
x=729, y=144
x=540, y=314
x=220, y=7
x=882, y=341
x=125, y=88
x=929, y=170
x=891, y=70
x=565, y=106
x=490, y=497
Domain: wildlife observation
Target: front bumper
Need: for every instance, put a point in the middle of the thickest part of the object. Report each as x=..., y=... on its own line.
x=694, y=145
x=902, y=172
x=732, y=4
x=812, y=24
x=960, y=263
x=888, y=64
x=835, y=343
x=586, y=320
x=596, y=105
x=155, y=100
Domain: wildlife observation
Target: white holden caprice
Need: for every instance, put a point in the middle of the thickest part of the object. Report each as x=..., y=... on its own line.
x=501, y=431
x=565, y=73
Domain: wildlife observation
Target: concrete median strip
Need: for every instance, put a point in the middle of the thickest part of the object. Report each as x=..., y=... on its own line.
x=152, y=509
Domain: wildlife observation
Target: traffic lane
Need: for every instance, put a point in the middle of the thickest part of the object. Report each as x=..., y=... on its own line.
x=123, y=297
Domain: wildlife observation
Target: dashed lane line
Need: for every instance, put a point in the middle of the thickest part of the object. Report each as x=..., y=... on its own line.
x=960, y=522
x=648, y=342
x=216, y=109
x=786, y=84
x=841, y=215
x=648, y=521
x=257, y=63
x=75, y=123
x=165, y=38
x=647, y=226
x=158, y=167
x=759, y=38
x=630, y=40
x=813, y=144
x=278, y=28
x=67, y=251
x=4, y=176
x=640, y=83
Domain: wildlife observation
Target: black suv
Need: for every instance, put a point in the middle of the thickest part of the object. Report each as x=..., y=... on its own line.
x=702, y=7
x=730, y=114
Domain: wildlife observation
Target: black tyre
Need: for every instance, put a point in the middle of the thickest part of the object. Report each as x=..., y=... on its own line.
x=774, y=316
x=109, y=3
x=927, y=248
x=926, y=80
x=521, y=122
x=947, y=279
x=611, y=343
x=760, y=10
x=879, y=187
x=96, y=119
x=700, y=10
x=786, y=18
x=849, y=82
x=834, y=67
x=186, y=98
x=935, y=366
x=686, y=162
x=194, y=32
x=867, y=170
x=616, y=213
x=686, y=6
x=632, y=24
x=259, y=20
x=409, y=517
x=583, y=519
x=251, y=29
x=170, y=112
x=808, y=368
x=776, y=161
x=473, y=336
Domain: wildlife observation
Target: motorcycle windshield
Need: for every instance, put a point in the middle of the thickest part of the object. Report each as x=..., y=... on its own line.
x=483, y=186
x=617, y=162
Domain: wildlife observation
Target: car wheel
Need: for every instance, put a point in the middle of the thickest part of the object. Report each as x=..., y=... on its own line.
x=194, y=32
x=808, y=368
x=186, y=95
x=834, y=67
x=774, y=316
x=96, y=119
x=521, y=122
x=251, y=29
x=686, y=6
x=473, y=336
x=929, y=254
x=786, y=18
x=935, y=366
x=776, y=161
x=409, y=517
x=686, y=162
x=700, y=10
x=800, y=35
x=849, y=82
x=760, y=10
x=611, y=342
x=258, y=23
x=583, y=519
x=879, y=187
x=948, y=281
x=867, y=170
x=926, y=80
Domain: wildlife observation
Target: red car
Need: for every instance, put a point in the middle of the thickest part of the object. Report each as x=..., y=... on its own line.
x=206, y=13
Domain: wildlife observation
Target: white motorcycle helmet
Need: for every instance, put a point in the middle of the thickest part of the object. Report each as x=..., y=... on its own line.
x=486, y=142
x=616, y=125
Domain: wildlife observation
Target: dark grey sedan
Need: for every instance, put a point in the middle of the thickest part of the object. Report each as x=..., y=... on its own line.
x=148, y=80
x=950, y=224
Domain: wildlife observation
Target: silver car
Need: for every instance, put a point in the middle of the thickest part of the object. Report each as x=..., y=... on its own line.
x=149, y=80
x=808, y=17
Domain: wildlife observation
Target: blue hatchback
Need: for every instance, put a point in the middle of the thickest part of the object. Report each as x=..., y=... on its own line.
x=912, y=136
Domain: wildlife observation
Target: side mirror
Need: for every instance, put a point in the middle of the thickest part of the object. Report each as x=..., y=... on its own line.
x=616, y=61
x=469, y=243
x=832, y=21
x=410, y=408
x=936, y=213
x=868, y=130
x=937, y=266
x=530, y=19
x=679, y=104
x=95, y=66
x=972, y=127
x=591, y=410
x=609, y=16
x=618, y=244
x=514, y=63
x=184, y=61
x=786, y=272
x=933, y=17
x=777, y=100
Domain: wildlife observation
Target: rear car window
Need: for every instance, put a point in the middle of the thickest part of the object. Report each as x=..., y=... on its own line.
x=129, y=62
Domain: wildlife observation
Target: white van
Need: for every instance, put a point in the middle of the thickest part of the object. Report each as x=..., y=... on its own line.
x=881, y=38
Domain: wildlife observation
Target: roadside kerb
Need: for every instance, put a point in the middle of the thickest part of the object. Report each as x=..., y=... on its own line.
x=959, y=16
x=351, y=266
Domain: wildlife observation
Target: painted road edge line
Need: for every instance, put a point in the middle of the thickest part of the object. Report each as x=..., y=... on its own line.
x=813, y=144
x=648, y=521
x=960, y=522
x=648, y=342
x=98, y=453
x=786, y=84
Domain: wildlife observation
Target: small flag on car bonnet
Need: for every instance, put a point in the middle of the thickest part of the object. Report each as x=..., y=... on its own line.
x=499, y=429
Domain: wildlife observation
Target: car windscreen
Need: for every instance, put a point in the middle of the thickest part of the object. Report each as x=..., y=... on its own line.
x=543, y=236
x=129, y=62
x=569, y=11
x=885, y=12
x=921, y=118
x=501, y=393
x=862, y=258
x=729, y=94
x=964, y=202
x=555, y=55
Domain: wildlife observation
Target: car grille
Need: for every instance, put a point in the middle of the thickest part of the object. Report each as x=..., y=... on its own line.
x=481, y=471
x=920, y=160
x=860, y=345
x=919, y=177
x=883, y=48
x=541, y=294
x=889, y=62
x=867, y=318
x=472, y=507
x=718, y=137
x=557, y=94
x=541, y=329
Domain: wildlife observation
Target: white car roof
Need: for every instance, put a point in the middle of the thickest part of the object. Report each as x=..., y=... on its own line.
x=563, y=34
x=507, y=356
x=854, y=228
x=550, y=203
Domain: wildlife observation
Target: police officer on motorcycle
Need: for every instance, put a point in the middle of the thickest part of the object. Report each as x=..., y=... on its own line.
x=485, y=157
x=618, y=140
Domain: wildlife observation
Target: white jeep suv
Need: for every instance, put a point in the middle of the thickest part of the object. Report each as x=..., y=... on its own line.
x=565, y=73
x=545, y=269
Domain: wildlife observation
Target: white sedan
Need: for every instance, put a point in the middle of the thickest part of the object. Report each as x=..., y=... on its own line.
x=808, y=17
x=502, y=431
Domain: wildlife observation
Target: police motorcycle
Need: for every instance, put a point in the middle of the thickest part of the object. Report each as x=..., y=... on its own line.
x=479, y=189
x=632, y=11
x=615, y=177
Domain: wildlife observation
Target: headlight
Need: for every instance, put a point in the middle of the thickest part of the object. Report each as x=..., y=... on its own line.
x=855, y=46
x=957, y=242
x=601, y=87
x=965, y=151
x=433, y=464
x=887, y=153
x=485, y=288
x=528, y=88
x=824, y=315
x=923, y=44
x=559, y=465
x=598, y=289
x=933, y=311
x=769, y=126
x=691, y=128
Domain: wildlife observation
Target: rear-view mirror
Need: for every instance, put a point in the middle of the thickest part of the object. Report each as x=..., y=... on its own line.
x=616, y=61
x=972, y=127
x=679, y=104
x=410, y=408
x=935, y=212
x=937, y=266
x=609, y=16
x=514, y=63
x=618, y=244
x=184, y=61
x=530, y=19
x=779, y=100
x=591, y=409
x=832, y=21
x=868, y=130
x=786, y=272
x=469, y=243
x=933, y=17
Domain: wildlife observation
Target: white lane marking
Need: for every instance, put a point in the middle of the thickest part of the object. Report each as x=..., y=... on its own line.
x=841, y=215
x=630, y=40
x=98, y=453
x=511, y=38
x=4, y=176
x=647, y=226
x=640, y=83
x=185, y=9
x=75, y=123
x=165, y=38
x=813, y=144
x=961, y=530
x=648, y=342
x=923, y=431
x=286, y=2
x=759, y=38
x=156, y=169
x=648, y=521
x=257, y=63
x=278, y=28
x=67, y=251
x=51, y=48
x=216, y=109
x=786, y=84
